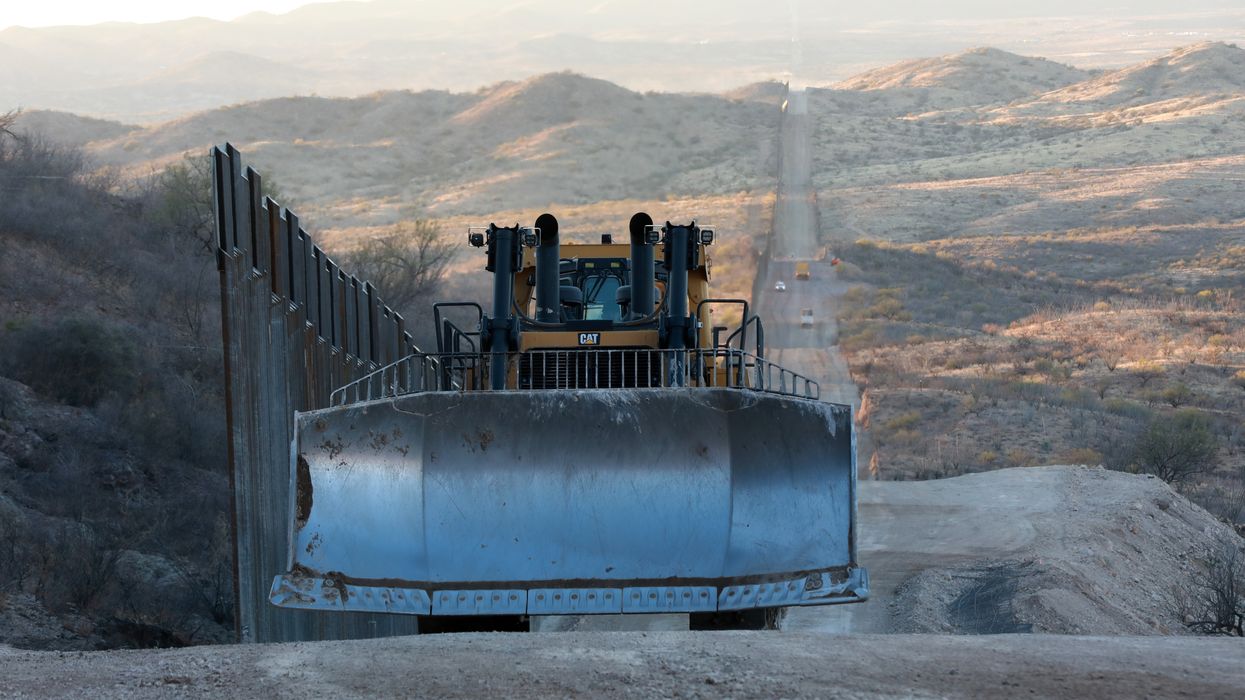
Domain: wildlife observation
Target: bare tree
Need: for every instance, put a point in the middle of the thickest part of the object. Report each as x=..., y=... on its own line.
x=182, y=200
x=1213, y=599
x=15, y=563
x=179, y=199
x=406, y=266
x=1147, y=371
x=1175, y=448
x=7, y=120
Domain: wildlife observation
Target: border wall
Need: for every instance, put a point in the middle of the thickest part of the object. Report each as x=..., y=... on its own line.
x=295, y=327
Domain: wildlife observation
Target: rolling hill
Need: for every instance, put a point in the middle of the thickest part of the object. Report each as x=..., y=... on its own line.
x=151, y=73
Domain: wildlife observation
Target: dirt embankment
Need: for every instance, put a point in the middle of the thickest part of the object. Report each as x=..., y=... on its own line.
x=1108, y=559
x=1065, y=550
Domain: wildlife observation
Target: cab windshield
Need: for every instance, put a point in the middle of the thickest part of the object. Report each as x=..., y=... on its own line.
x=600, y=300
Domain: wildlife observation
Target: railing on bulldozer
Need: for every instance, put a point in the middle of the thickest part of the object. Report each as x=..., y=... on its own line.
x=607, y=368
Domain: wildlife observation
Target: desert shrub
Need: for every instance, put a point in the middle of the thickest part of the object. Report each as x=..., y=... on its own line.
x=1127, y=409
x=164, y=415
x=858, y=336
x=1020, y=458
x=407, y=265
x=1081, y=455
x=76, y=360
x=75, y=566
x=50, y=197
x=1177, y=395
x=955, y=362
x=14, y=559
x=905, y=437
x=1221, y=495
x=1177, y=447
x=904, y=421
x=1078, y=398
x=1212, y=601
x=888, y=304
x=179, y=201
x=1044, y=365
x=856, y=297
x=1147, y=371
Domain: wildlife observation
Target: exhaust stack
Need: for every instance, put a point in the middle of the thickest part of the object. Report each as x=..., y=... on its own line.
x=680, y=247
x=642, y=266
x=548, y=255
x=500, y=334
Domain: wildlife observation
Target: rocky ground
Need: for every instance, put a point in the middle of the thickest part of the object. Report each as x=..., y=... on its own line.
x=648, y=664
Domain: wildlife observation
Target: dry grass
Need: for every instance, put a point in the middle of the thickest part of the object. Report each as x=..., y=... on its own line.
x=1044, y=368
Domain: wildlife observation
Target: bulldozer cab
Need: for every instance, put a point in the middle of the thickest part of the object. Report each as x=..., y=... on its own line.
x=597, y=281
x=591, y=444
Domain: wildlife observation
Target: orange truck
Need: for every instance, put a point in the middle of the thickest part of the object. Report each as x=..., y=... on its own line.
x=802, y=271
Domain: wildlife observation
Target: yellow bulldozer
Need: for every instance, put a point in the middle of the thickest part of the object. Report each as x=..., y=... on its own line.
x=593, y=444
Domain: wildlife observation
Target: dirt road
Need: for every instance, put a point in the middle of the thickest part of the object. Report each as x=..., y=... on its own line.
x=813, y=351
x=652, y=664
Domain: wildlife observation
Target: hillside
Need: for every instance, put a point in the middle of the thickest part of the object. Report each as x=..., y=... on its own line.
x=905, y=168
x=1206, y=71
x=982, y=73
x=1051, y=279
x=168, y=70
x=113, y=487
x=558, y=138
x=71, y=129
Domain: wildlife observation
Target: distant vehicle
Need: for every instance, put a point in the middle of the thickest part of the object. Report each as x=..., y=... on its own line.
x=806, y=318
x=802, y=271
x=780, y=286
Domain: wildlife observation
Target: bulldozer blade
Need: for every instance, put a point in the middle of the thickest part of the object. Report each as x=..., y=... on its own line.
x=575, y=502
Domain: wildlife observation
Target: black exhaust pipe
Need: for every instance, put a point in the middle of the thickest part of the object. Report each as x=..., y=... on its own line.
x=501, y=332
x=679, y=326
x=548, y=278
x=642, y=266
x=679, y=241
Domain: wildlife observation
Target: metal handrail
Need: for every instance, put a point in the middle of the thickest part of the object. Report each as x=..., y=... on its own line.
x=602, y=368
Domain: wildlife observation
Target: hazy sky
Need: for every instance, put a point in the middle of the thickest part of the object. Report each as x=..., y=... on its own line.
x=46, y=13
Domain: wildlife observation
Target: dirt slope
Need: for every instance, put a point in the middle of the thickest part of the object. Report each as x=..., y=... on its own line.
x=1067, y=550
